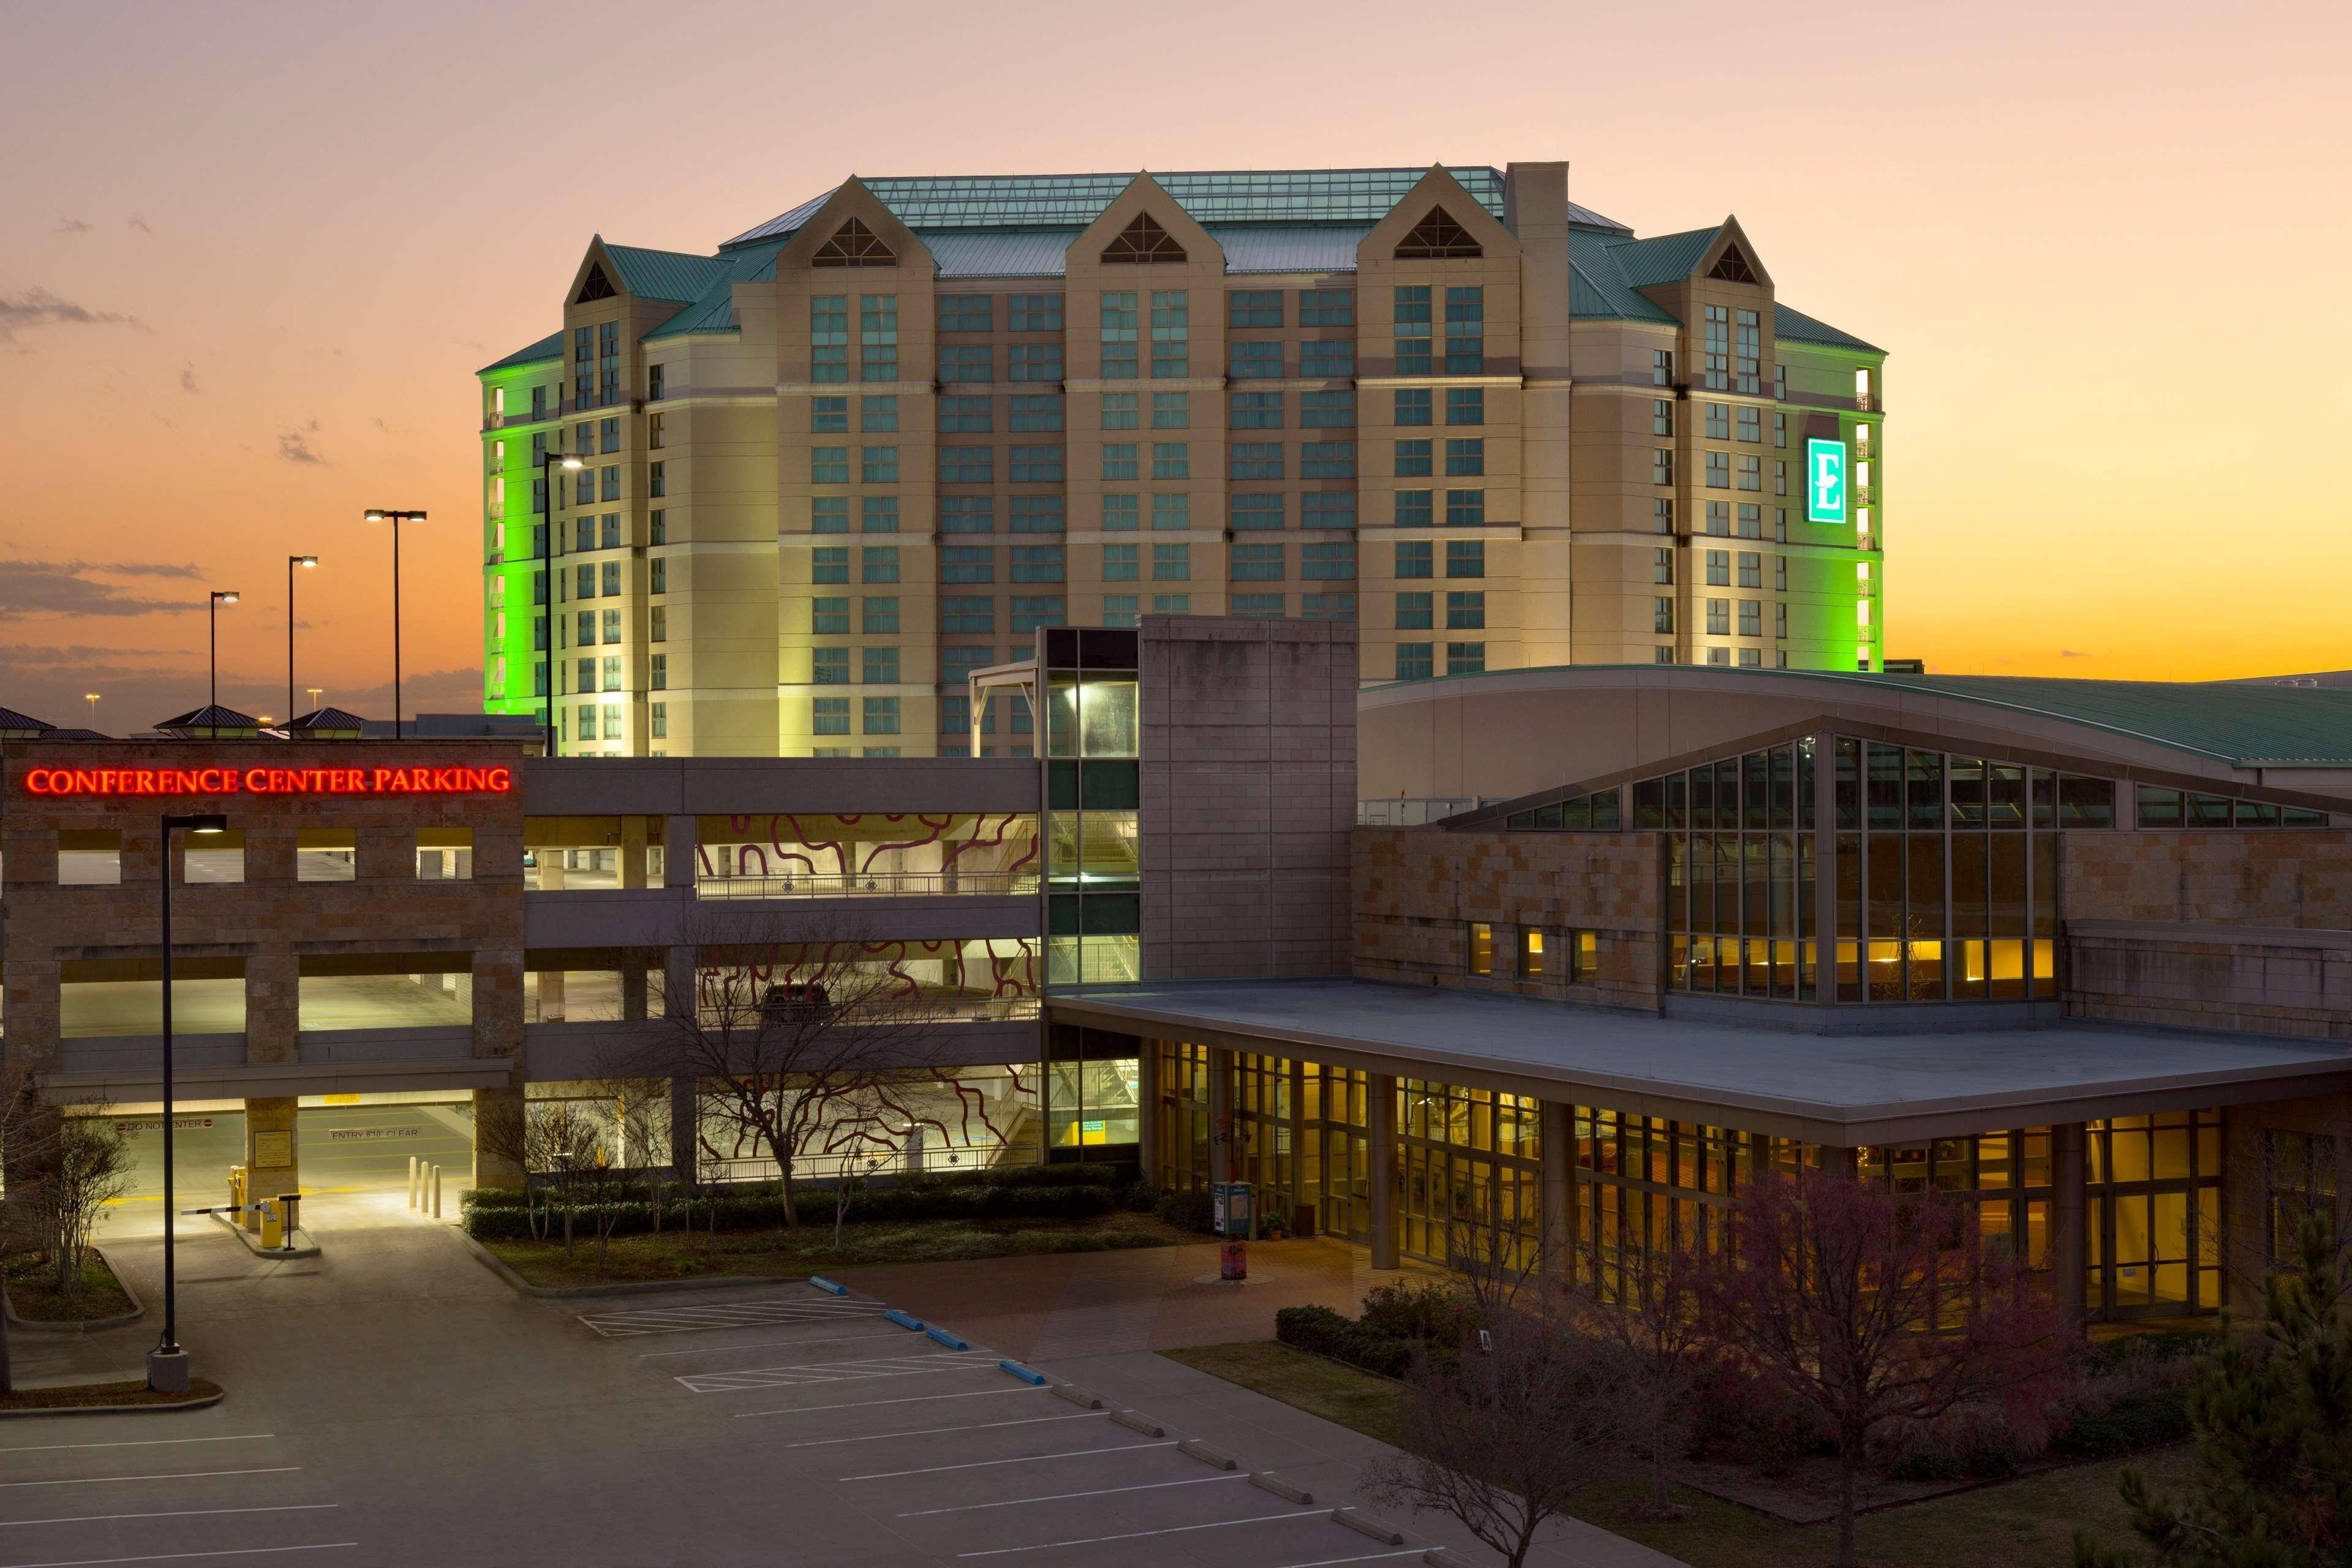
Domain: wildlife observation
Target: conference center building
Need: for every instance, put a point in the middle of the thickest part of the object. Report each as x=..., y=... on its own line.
x=1577, y=953
x=780, y=497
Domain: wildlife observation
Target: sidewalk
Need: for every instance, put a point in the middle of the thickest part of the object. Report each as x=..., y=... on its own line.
x=1149, y=1299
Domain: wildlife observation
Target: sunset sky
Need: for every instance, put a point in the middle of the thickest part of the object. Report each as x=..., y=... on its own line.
x=251, y=255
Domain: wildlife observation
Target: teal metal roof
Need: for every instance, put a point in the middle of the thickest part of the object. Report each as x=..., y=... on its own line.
x=1666, y=258
x=666, y=274
x=714, y=310
x=1597, y=287
x=547, y=348
x=2243, y=726
x=1795, y=326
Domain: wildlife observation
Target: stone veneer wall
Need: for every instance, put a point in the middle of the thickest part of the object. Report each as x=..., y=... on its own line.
x=2245, y=930
x=1418, y=888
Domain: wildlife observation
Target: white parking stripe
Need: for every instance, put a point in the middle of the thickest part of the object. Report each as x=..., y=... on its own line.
x=1139, y=1534
x=899, y=1334
x=1023, y=1459
x=837, y=1372
x=137, y=1443
x=1372, y=1557
x=179, y=1556
x=170, y=1513
x=935, y=1431
x=182, y=1475
x=1061, y=1497
x=910, y=1399
x=722, y=1315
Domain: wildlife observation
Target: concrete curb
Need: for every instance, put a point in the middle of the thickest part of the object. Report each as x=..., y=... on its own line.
x=94, y=1325
x=1215, y=1459
x=1268, y=1481
x=1380, y=1529
x=1077, y=1396
x=1134, y=1422
x=197, y=1403
x=303, y=1245
x=1028, y=1374
x=522, y=1287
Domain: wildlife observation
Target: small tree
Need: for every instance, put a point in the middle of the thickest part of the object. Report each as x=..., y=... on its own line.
x=90, y=1167
x=2274, y=1419
x=1648, y=1305
x=1871, y=1311
x=1504, y=1436
x=29, y=1129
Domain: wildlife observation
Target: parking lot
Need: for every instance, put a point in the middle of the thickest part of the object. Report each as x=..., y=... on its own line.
x=131, y=1492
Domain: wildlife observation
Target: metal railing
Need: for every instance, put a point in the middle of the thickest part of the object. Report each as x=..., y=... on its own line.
x=869, y=884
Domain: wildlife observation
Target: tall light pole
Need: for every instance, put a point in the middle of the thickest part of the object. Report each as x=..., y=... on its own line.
x=212, y=616
x=91, y=697
x=291, y=562
x=394, y=516
x=167, y=1364
x=548, y=463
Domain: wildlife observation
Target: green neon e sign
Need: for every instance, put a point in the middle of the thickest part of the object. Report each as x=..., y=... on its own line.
x=1825, y=481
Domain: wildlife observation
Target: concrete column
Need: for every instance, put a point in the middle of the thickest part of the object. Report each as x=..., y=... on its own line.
x=634, y=988
x=1837, y=1162
x=1222, y=1155
x=1147, y=1119
x=550, y=996
x=272, y=1007
x=679, y=862
x=633, y=851
x=1559, y=1216
x=678, y=1001
x=550, y=870
x=2068, y=1216
x=1380, y=1135
x=493, y=1169
x=272, y=1161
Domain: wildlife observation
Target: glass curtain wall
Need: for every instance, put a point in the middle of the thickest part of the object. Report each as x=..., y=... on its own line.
x=1093, y=836
x=1740, y=872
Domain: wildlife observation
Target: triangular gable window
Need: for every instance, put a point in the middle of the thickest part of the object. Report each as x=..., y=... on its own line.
x=1143, y=240
x=1731, y=267
x=1437, y=238
x=853, y=245
x=597, y=287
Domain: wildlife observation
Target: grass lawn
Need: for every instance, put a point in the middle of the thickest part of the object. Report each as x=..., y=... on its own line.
x=810, y=1248
x=32, y=1291
x=2027, y=1523
x=103, y=1395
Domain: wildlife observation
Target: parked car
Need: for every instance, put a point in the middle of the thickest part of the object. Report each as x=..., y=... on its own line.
x=794, y=1001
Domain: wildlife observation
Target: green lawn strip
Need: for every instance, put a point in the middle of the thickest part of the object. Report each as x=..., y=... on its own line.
x=810, y=1248
x=32, y=1291
x=103, y=1395
x=2027, y=1523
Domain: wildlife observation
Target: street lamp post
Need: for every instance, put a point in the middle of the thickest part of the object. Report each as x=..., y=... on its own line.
x=291, y=562
x=91, y=697
x=212, y=615
x=394, y=516
x=167, y=1364
x=548, y=463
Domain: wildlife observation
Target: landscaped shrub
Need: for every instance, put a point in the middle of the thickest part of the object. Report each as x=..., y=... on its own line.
x=1325, y=1333
x=1142, y=1197
x=2144, y=1419
x=1974, y=1444
x=1744, y=1419
x=1188, y=1211
x=1432, y=1311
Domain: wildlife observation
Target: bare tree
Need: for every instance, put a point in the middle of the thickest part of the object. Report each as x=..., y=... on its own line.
x=90, y=1167
x=1504, y=1437
x=1648, y=1306
x=793, y=1037
x=29, y=1129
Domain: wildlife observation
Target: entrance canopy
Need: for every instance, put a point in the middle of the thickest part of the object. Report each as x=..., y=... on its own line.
x=1844, y=1089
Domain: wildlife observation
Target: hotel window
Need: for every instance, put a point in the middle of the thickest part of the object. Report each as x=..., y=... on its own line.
x=1780, y=384
x=1171, y=562
x=1465, y=558
x=1118, y=335
x=964, y=614
x=1326, y=606
x=1718, y=327
x=658, y=624
x=1752, y=619
x=1415, y=612
x=877, y=514
x=586, y=637
x=1749, y=327
x=584, y=487
x=1780, y=623
x=1719, y=617
x=1662, y=617
x=878, y=412
x=1257, y=460
x=1036, y=465
x=880, y=616
x=1718, y=656
x=1119, y=564
x=1662, y=367
x=1326, y=359
x=612, y=672
x=612, y=625
x=608, y=436
x=1780, y=573
x=587, y=731
x=1254, y=605
x=1118, y=609
x=1718, y=517
x=1120, y=461
x=1465, y=611
x=1531, y=953
x=1718, y=421
x=881, y=716
x=1662, y=514
x=1718, y=471
x=1033, y=312
x=1414, y=558
x=967, y=564
x=1662, y=566
x=1171, y=604
x=612, y=477
x=1414, y=509
x=658, y=714
x=1465, y=456
x=1029, y=614
x=1254, y=308
x=966, y=363
x=829, y=665
x=967, y=465
x=658, y=672
x=877, y=465
x=1171, y=512
x=1253, y=361
x=1465, y=406
x=610, y=530
x=1119, y=513
x=1038, y=564
x=829, y=716
x=967, y=514
x=1751, y=569
x=654, y=435
x=1258, y=564
x=1326, y=459
x=1118, y=411
x=612, y=575
x=1465, y=330
x=1481, y=948
x=1036, y=411
x=1326, y=307
x=1334, y=559
x=1415, y=661
x=828, y=337
x=828, y=465
x=1662, y=417
x=1780, y=432
x=1465, y=658
x=967, y=313
x=1254, y=411
x=1413, y=459
x=1034, y=362
x=1412, y=405
x=1413, y=330
x=880, y=563
x=585, y=680
x=1173, y=460
x=1465, y=509
x=1662, y=466
x=877, y=337
x=829, y=617
x=1171, y=334
x=1751, y=423
x=965, y=416
x=1326, y=410
x=1327, y=508
x=1751, y=473
x=1719, y=568
x=1248, y=512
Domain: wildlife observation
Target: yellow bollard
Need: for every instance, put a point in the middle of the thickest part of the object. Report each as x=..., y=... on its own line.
x=273, y=1228
x=436, y=1192
x=412, y=1181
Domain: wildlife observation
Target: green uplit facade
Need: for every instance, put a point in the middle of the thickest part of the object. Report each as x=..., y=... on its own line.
x=514, y=628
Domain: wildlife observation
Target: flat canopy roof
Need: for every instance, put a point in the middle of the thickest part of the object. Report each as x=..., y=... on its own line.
x=1842, y=1090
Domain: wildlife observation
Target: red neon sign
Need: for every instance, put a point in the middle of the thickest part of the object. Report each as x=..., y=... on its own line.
x=268, y=781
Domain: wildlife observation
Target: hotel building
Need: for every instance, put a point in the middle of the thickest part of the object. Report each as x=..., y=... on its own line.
x=861, y=449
